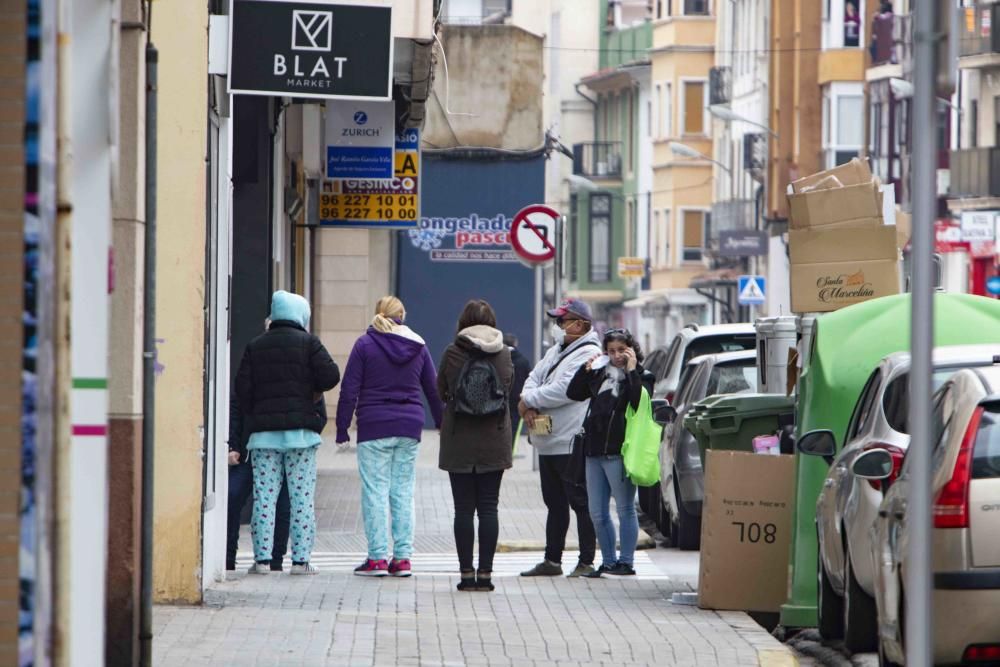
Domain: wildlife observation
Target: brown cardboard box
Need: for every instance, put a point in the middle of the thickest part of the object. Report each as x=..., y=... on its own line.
x=854, y=172
x=825, y=207
x=833, y=268
x=746, y=527
x=904, y=227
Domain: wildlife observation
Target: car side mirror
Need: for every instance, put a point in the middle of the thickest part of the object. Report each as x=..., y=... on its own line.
x=818, y=443
x=875, y=464
x=663, y=412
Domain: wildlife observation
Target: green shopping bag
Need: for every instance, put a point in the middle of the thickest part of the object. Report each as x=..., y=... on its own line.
x=641, y=449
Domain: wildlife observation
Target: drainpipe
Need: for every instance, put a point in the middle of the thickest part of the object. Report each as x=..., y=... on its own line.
x=593, y=102
x=148, y=365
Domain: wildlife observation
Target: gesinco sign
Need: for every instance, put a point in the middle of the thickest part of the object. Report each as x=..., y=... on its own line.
x=296, y=49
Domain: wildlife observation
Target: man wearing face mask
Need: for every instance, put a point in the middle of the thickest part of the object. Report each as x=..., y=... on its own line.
x=544, y=393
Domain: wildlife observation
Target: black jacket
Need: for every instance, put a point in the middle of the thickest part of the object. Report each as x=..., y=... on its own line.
x=239, y=437
x=281, y=372
x=604, y=427
x=522, y=368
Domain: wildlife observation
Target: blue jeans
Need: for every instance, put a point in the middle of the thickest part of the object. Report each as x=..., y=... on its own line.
x=388, y=473
x=606, y=478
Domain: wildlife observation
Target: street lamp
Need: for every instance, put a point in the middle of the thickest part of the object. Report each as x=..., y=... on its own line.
x=728, y=115
x=577, y=182
x=684, y=150
x=903, y=89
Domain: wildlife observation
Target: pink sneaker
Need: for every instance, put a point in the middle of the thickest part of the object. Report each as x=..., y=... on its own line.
x=400, y=568
x=372, y=568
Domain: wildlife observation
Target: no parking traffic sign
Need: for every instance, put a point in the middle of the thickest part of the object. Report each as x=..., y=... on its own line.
x=533, y=234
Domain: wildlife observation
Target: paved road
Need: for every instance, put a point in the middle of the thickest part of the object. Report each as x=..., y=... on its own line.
x=336, y=618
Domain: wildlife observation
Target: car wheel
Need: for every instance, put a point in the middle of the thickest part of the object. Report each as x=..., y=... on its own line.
x=831, y=607
x=860, y=615
x=688, y=526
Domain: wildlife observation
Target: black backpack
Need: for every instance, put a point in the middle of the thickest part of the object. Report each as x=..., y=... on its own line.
x=479, y=392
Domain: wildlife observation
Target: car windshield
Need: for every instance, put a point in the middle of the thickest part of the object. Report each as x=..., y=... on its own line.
x=986, y=454
x=717, y=344
x=733, y=378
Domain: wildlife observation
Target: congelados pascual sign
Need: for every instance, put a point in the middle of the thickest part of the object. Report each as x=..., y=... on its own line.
x=295, y=49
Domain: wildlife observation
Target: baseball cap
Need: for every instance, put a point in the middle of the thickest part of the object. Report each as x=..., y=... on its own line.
x=574, y=307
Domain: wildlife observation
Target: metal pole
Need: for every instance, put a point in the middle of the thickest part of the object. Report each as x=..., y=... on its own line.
x=539, y=333
x=919, y=613
x=148, y=368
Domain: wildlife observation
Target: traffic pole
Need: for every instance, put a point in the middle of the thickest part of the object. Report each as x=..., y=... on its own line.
x=919, y=612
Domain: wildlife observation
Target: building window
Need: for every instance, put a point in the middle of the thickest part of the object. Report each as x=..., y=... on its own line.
x=654, y=251
x=852, y=25
x=695, y=7
x=693, y=242
x=600, y=238
x=659, y=8
x=974, y=124
x=574, y=234
x=630, y=129
x=666, y=115
x=694, y=107
x=665, y=258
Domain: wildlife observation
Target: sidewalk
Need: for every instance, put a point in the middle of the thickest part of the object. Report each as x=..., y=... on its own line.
x=336, y=618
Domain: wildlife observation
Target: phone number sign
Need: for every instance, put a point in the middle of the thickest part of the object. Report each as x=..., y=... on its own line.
x=378, y=203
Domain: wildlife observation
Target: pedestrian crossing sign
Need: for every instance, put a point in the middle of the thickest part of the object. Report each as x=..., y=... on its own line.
x=751, y=291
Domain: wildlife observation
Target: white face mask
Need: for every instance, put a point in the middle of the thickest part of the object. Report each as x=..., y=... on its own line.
x=558, y=335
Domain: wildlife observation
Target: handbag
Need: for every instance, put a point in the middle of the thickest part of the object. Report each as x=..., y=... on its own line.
x=641, y=449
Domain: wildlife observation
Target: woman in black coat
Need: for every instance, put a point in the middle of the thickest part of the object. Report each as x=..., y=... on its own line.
x=611, y=382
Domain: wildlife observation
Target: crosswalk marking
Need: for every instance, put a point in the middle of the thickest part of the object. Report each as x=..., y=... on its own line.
x=444, y=564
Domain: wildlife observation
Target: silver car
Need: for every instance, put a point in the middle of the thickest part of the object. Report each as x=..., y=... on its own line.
x=682, y=486
x=694, y=341
x=966, y=534
x=847, y=506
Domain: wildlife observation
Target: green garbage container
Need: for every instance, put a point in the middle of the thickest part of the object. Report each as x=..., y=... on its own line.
x=692, y=420
x=733, y=421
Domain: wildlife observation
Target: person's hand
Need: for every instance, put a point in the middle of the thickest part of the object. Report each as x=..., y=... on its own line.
x=630, y=361
x=529, y=417
x=234, y=458
x=590, y=363
x=522, y=407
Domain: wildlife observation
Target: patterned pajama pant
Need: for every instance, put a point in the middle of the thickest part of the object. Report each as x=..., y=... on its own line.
x=299, y=468
x=388, y=473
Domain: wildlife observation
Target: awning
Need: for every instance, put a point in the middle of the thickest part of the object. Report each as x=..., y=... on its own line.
x=673, y=296
x=716, y=278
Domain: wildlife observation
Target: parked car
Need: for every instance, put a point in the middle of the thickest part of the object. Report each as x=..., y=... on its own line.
x=682, y=483
x=966, y=543
x=847, y=506
x=694, y=341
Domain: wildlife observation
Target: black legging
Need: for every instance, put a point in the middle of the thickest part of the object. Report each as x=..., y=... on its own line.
x=476, y=493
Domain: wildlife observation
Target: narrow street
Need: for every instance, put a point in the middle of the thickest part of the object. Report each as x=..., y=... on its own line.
x=336, y=618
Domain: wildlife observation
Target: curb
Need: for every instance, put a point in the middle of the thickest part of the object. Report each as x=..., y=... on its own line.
x=777, y=658
x=512, y=546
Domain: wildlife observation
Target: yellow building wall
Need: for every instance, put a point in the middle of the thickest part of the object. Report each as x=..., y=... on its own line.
x=841, y=65
x=678, y=182
x=181, y=37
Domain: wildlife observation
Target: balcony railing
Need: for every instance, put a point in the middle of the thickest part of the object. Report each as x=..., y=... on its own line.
x=730, y=216
x=755, y=154
x=977, y=36
x=720, y=85
x=599, y=159
x=892, y=42
x=975, y=172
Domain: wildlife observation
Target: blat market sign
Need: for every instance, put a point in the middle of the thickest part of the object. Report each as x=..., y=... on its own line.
x=329, y=50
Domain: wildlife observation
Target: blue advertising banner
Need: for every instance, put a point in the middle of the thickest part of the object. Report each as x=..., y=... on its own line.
x=461, y=250
x=360, y=138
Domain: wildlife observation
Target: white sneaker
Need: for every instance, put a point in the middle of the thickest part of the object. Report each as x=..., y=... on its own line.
x=307, y=568
x=260, y=568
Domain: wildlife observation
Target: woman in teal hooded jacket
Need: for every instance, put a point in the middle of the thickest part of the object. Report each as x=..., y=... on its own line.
x=280, y=378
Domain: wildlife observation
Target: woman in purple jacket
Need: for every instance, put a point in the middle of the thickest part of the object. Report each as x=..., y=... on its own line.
x=387, y=369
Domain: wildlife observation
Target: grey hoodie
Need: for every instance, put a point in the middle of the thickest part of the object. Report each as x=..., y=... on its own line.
x=546, y=392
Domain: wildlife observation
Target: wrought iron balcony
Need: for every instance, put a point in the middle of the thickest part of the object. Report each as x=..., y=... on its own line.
x=977, y=36
x=755, y=154
x=720, y=85
x=975, y=172
x=730, y=216
x=892, y=42
x=598, y=159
